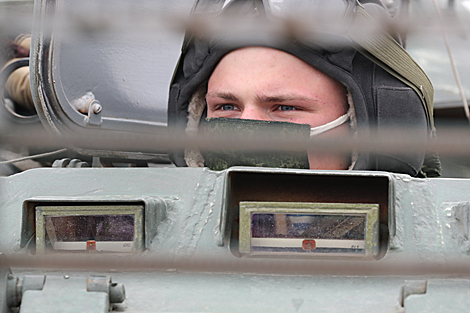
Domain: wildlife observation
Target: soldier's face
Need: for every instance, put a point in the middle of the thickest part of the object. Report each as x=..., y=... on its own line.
x=266, y=84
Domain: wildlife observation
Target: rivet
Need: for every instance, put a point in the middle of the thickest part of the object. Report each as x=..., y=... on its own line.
x=66, y=276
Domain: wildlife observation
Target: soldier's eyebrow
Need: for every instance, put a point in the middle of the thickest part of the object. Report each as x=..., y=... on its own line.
x=223, y=95
x=260, y=98
x=282, y=98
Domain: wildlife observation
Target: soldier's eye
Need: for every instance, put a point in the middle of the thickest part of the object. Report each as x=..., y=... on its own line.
x=227, y=107
x=286, y=108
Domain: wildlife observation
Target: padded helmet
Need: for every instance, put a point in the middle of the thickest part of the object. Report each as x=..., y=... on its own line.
x=381, y=99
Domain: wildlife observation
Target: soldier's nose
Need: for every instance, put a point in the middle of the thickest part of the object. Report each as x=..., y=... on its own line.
x=254, y=113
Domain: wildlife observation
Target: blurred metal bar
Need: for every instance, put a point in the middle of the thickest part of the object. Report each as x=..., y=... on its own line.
x=89, y=18
x=149, y=263
x=451, y=141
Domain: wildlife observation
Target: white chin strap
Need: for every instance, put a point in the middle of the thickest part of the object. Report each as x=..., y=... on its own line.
x=315, y=131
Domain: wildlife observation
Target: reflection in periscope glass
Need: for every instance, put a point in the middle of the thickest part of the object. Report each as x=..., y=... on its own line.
x=112, y=233
x=307, y=233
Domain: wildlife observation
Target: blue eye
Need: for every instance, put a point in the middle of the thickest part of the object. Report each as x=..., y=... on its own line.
x=227, y=107
x=286, y=108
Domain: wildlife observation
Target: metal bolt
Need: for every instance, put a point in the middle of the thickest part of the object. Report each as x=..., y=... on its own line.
x=97, y=108
x=66, y=276
x=117, y=293
x=10, y=276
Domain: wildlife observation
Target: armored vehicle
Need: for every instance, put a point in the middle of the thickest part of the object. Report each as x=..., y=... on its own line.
x=109, y=223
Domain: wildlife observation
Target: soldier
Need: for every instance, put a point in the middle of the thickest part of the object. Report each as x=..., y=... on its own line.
x=259, y=83
x=301, y=79
x=17, y=87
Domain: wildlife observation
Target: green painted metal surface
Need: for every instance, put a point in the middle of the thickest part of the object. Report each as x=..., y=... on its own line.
x=191, y=241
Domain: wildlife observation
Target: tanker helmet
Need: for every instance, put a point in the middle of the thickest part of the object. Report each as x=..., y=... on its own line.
x=385, y=86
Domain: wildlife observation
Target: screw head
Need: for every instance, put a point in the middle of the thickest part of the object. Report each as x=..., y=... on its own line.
x=97, y=108
x=66, y=276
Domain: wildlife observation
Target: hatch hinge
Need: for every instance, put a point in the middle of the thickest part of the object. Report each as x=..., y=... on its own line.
x=45, y=293
x=94, y=114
